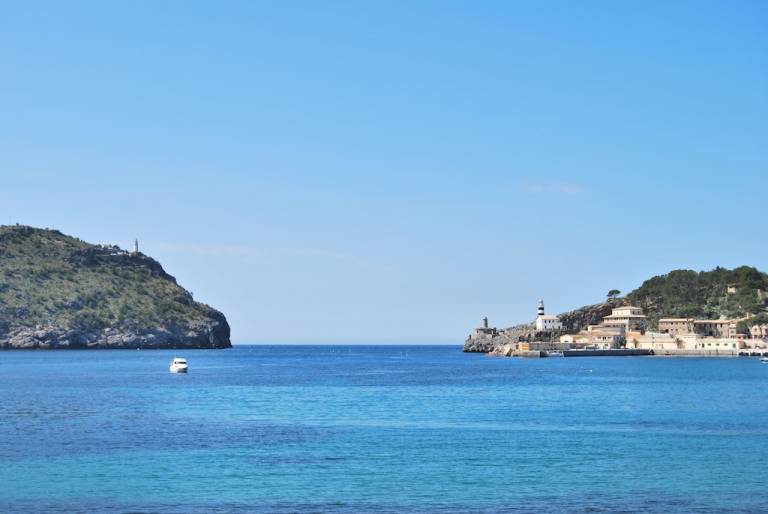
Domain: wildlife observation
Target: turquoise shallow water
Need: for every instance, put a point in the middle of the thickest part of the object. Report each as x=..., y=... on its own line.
x=380, y=429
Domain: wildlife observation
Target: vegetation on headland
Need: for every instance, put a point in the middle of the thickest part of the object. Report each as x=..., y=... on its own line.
x=702, y=294
x=79, y=292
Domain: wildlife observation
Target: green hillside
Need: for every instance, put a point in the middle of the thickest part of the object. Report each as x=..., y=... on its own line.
x=83, y=294
x=703, y=294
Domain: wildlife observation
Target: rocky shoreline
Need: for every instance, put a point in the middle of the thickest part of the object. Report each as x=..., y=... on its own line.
x=192, y=335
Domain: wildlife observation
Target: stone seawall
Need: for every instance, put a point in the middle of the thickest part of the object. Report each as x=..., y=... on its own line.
x=696, y=353
x=619, y=352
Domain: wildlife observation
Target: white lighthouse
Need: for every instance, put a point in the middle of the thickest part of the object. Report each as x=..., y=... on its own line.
x=546, y=323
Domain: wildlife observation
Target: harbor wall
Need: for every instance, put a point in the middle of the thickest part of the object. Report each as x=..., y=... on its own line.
x=619, y=352
x=697, y=353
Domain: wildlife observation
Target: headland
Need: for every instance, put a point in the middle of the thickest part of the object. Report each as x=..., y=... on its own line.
x=718, y=313
x=58, y=292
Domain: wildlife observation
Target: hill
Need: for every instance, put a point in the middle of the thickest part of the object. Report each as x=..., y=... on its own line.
x=678, y=294
x=702, y=294
x=57, y=291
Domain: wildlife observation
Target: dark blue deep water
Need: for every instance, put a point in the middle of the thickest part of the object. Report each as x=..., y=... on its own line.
x=380, y=429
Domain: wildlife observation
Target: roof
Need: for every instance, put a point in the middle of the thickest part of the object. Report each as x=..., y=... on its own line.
x=627, y=308
x=675, y=319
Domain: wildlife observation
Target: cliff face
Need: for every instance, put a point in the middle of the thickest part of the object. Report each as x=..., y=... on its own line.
x=588, y=315
x=59, y=292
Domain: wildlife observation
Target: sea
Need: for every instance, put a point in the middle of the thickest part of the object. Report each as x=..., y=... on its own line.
x=382, y=429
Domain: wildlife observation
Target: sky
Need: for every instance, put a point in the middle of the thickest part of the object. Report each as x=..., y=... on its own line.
x=391, y=172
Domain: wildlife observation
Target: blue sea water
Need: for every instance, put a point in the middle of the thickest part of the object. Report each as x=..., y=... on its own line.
x=380, y=429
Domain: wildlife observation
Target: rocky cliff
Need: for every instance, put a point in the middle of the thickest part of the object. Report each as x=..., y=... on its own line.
x=57, y=291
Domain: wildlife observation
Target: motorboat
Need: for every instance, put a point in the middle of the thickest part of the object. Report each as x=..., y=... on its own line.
x=179, y=365
x=764, y=360
x=555, y=353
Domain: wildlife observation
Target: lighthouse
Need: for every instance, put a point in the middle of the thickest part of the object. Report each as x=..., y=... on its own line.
x=546, y=323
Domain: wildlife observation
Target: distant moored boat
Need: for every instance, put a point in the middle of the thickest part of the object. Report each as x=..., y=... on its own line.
x=179, y=365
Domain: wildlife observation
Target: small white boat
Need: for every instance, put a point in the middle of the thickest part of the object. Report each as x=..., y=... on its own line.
x=764, y=360
x=555, y=353
x=178, y=365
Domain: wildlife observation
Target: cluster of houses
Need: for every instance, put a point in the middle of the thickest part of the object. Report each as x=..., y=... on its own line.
x=626, y=327
x=612, y=332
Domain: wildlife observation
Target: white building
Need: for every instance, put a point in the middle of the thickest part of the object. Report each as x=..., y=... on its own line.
x=546, y=323
x=656, y=341
x=628, y=318
x=696, y=342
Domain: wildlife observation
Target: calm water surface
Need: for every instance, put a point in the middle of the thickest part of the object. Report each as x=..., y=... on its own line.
x=380, y=429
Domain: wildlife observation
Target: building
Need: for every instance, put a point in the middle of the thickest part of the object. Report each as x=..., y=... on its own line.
x=759, y=331
x=696, y=342
x=629, y=318
x=612, y=332
x=715, y=327
x=655, y=341
x=485, y=332
x=676, y=326
x=596, y=336
x=605, y=339
x=572, y=339
x=546, y=323
x=725, y=328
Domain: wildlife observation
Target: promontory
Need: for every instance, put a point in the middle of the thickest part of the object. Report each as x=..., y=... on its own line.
x=59, y=292
x=719, y=312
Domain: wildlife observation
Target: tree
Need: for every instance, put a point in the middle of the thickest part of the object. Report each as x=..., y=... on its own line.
x=613, y=293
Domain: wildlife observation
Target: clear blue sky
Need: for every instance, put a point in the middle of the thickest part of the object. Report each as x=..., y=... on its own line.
x=392, y=171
